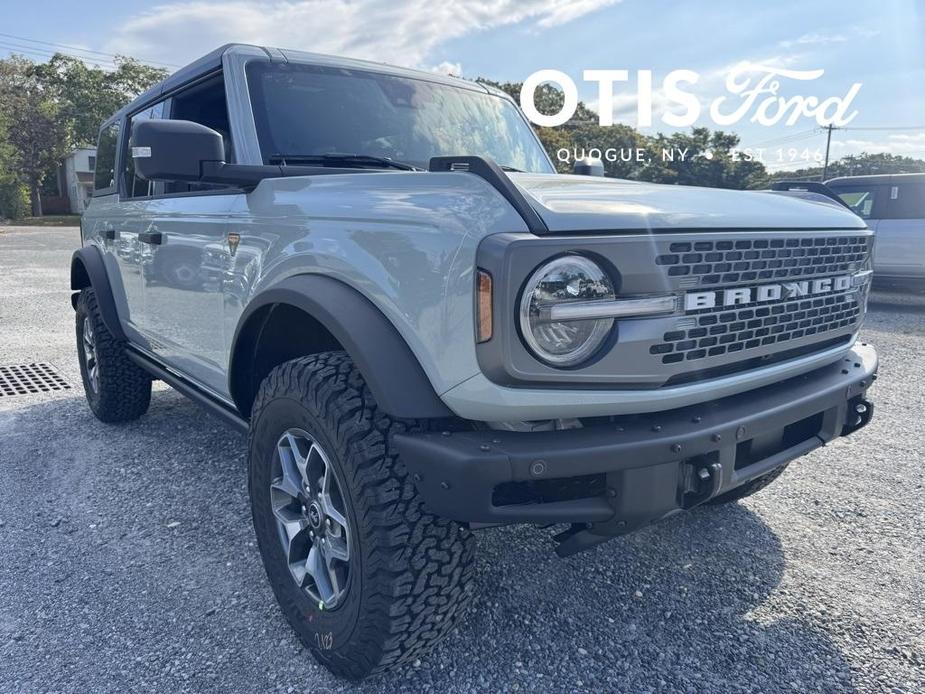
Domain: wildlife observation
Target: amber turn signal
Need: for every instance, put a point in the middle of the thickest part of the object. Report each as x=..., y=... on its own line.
x=484, y=306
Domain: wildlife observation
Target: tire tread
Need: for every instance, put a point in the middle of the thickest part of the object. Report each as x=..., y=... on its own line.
x=125, y=388
x=417, y=567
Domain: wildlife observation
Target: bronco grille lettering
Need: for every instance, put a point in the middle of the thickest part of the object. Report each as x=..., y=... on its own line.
x=765, y=292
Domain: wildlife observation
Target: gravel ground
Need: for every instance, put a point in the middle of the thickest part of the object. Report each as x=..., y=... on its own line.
x=128, y=562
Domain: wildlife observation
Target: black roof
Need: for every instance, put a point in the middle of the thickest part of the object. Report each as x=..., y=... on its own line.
x=207, y=63
x=213, y=61
x=879, y=178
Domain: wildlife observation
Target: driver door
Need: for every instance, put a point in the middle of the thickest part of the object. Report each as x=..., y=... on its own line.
x=183, y=230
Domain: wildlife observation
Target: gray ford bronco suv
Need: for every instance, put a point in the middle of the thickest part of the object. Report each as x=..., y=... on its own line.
x=424, y=330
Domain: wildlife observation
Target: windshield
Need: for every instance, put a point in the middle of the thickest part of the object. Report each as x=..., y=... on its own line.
x=859, y=198
x=304, y=110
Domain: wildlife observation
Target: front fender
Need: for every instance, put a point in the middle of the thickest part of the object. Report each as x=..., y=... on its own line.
x=391, y=370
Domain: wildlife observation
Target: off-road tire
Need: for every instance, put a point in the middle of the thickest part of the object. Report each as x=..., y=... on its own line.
x=748, y=488
x=413, y=573
x=124, y=389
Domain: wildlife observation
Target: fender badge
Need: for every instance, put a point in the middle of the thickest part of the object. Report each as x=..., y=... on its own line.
x=233, y=240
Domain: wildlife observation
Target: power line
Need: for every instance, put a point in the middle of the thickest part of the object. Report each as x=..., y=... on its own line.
x=792, y=137
x=897, y=127
x=56, y=45
x=110, y=56
x=41, y=53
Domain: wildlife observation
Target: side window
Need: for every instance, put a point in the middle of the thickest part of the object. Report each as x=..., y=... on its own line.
x=861, y=198
x=104, y=174
x=135, y=186
x=204, y=103
x=907, y=200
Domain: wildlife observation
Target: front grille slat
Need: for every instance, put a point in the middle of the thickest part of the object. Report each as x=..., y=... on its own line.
x=722, y=336
x=750, y=260
x=725, y=331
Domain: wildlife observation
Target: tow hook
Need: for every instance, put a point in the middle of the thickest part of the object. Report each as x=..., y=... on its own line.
x=860, y=410
x=702, y=481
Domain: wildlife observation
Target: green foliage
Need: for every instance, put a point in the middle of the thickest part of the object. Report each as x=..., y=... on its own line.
x=707, y=161
x=35, y=131
x=88, y=95
x=14, y=198
x=48, y=109
x=855, y=165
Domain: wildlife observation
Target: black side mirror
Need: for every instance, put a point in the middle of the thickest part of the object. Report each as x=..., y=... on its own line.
x=588, y=167
x=174, y=150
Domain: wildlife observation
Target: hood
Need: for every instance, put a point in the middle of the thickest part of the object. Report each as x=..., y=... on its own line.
x=587, y=203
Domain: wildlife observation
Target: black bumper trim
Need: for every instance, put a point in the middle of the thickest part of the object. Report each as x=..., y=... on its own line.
x=652, y=462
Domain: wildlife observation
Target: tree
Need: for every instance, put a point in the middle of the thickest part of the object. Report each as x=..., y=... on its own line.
x=50, y=108
x=88, y=95
x=855, y=165
x=13, y=197
x=36, y=133
x=707, y=161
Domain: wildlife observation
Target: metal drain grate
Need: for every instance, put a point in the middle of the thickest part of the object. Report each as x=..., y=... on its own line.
x=25, y=379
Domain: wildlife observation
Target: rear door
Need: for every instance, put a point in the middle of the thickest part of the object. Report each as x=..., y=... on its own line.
x=900, y=248
x=866, y=200
x=108, y=225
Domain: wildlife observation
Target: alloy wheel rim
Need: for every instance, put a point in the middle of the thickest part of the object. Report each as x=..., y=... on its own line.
x=311, y=517
x=90, y=360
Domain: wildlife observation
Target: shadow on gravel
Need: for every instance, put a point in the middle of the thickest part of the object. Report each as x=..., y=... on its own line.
x=675, y=607
x=163, y=584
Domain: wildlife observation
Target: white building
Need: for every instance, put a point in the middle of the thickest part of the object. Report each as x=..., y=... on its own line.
x=76, y=177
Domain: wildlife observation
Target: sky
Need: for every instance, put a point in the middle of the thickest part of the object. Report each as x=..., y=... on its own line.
x=879, y=44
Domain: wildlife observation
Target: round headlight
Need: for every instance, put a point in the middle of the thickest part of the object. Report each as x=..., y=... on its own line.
x=567, y=279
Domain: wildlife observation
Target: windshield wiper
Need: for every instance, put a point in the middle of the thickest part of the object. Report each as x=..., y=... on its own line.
x=334, y=158
x=505, y=167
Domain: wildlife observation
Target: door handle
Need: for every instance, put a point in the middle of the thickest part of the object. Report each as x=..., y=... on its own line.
x=155, y=238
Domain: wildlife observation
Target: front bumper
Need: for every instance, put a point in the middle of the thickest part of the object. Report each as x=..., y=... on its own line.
x=629, y=471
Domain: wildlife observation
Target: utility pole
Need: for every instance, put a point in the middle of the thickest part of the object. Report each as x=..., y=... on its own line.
x=828, y=144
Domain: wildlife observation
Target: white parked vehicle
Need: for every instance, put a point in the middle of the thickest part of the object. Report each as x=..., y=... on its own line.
x=893, y=205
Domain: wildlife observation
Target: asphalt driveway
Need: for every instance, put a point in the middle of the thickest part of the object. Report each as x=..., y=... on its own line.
x=128, y=561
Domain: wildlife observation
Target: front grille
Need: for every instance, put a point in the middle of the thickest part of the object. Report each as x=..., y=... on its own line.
x=719, y=331
x=790, y=314
x=746, y=260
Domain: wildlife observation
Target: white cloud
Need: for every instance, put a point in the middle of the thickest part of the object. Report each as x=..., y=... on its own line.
x=448, y=68
x=383, y=30
x=826, y=39
x=814, y=39
x=564, y=12
x=903, y=144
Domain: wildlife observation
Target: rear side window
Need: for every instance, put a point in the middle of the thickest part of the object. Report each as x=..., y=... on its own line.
x=134, y=186
x=906, y=200
x=203, y=103
x=104, y=175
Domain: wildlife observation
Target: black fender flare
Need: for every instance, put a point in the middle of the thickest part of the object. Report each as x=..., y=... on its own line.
x=388, y=365
x=89, y=270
